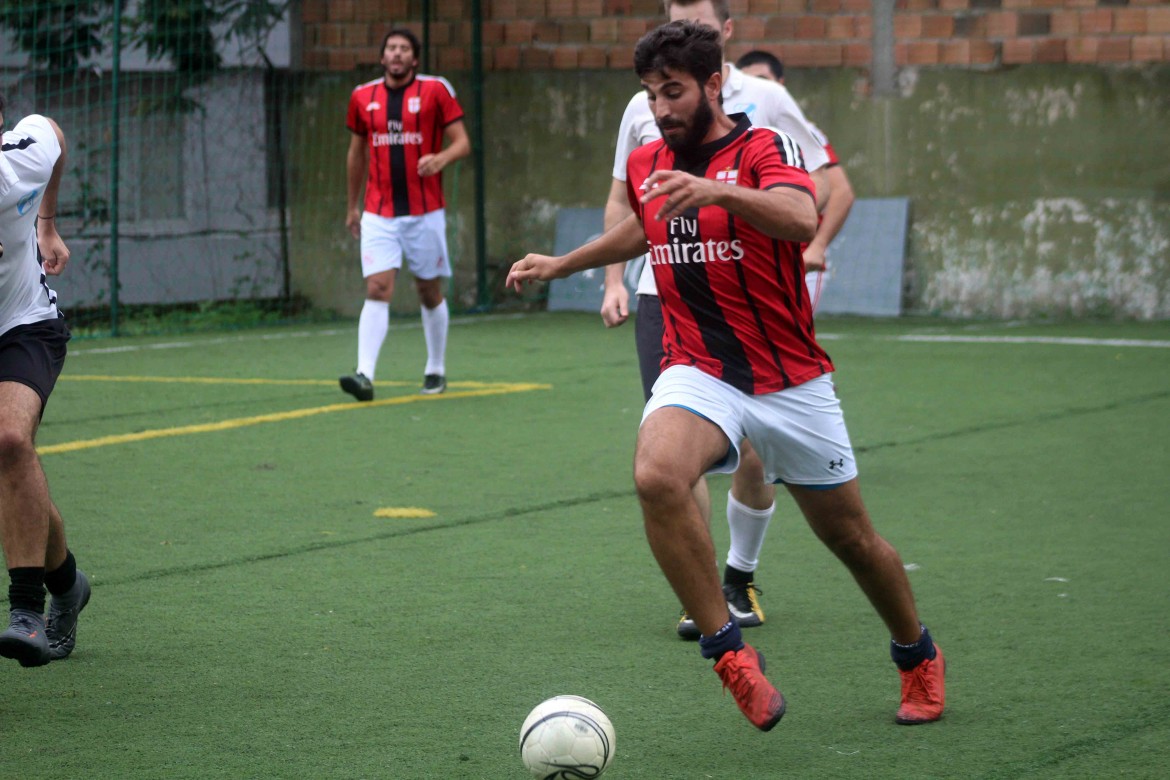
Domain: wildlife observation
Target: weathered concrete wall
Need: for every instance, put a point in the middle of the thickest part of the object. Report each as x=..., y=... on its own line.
x=1036, y=191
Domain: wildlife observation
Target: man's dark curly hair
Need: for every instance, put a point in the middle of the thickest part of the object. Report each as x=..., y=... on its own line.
x=682, y=46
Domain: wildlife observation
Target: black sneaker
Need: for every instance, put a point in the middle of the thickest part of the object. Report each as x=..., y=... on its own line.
x=358, y=385
x=744, y=606
x=433, y=384
x=687, y=629
x=24, y=640
x=61, y=625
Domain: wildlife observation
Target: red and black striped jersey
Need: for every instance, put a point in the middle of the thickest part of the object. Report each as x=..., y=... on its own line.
x=401, y=125
x=734, y=302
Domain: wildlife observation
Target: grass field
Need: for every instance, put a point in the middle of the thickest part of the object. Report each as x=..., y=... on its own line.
x=255, y=617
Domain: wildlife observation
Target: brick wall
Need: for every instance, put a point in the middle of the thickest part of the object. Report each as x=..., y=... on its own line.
x=570, y=34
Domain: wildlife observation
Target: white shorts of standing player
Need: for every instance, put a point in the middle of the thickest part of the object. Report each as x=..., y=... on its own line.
x=815, y=281
x=421, y=241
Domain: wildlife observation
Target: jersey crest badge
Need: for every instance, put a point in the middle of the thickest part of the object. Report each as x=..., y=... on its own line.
x=413, y=104
x=373, y=106
x=729, y=176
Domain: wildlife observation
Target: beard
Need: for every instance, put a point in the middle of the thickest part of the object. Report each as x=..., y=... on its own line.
x=689, y=142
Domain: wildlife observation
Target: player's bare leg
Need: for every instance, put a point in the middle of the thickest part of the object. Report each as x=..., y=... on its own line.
x=675, y=447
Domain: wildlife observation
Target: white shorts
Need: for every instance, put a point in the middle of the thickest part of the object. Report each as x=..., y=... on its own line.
x=422, y=240
x=799, y=433
x=815, y=282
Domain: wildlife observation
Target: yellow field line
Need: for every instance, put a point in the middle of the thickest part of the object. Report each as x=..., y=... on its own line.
x=212, y=380
x=242, y=422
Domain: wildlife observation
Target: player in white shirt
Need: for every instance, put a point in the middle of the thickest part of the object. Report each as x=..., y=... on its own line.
x=33, y=336
x=751, y=501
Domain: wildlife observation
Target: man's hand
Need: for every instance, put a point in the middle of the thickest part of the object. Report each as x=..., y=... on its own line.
x=615, y=305
x=430, y=164
x=533, y=268
x=353, y=222
x=814, y=258
x=681, y=190
x=53, y=250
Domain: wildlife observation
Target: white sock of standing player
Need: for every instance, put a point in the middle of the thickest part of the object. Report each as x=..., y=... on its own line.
x=435, y=322
x=748, y=527
x=373, y=324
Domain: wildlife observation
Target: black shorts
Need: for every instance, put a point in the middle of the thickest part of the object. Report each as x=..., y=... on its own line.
x=34, y=355
x=648, y=329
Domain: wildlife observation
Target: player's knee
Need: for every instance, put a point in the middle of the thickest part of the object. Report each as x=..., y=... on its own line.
x=656, y=483
x=15, y=446
x=379, y=290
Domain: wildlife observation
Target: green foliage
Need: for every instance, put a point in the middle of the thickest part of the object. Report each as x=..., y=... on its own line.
x=60, y=34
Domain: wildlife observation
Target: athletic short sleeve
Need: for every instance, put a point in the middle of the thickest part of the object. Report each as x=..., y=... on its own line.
x=774, y=159
x=355, y=118
x=449, y=108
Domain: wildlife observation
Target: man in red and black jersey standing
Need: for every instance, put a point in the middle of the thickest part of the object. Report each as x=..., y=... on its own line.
x=723, y=208
x=399, y=124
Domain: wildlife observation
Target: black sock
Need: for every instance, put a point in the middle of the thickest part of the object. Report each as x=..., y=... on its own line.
x=27, y=589
x=61, y=579
x=733, y=576
x=909, y=656
x=726, y=640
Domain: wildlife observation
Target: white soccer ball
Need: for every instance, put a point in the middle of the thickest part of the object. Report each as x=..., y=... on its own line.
x=566, y=738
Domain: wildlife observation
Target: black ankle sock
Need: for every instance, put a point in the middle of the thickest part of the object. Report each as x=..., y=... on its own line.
x=908, y=656
x=27, y=588
x=733, y=576
x=726, y=640
x=62, y=578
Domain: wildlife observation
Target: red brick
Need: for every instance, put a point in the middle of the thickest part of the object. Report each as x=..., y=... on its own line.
x=1148, y=48
x=764, y=6
x=574, y=32
x=916, y=5
x=1131, y=21
x=780, y=28
x=1158, y=21
x=863, y=26
x=592, y=57
x=532, y=9
x=355, y=35
x=621, y=58
x=561, y=8
x=342, y=59
x=1003, y=24
x=565, y=57
x=811, y=55
x=749, y=28
x=1066, y=23
x=1050, y=50
x=368, y=12
x=314, y=11
x=907, y=26
x=793, y=6
x=810, y=27
x=953, y=5
x=646, y=8
x=824, y=6
x=440, y=33
x=956, y=52
x=922, y=53
x=491, y=33
x=1097, y=21
x=603, y=30
x=502, y=9
x=545, y=31
x=938, y=26
x=518, y=31
x=1114, y=49
x=630, y=30
x=1033, y=5
x=1082, y=50
x=533, y=58
x=589, y=8
x=857, y=54
x=616, y=7
x=1080, y=3
x=1018, y=51
x=329, y=35
x=506, y=58
x=857, y=6
x=451, y=10
x=841, y=27
x=453, y=58
x=340, y=11
x=984, y=52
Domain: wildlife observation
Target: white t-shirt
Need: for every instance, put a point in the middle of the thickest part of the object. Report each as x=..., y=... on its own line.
x=766, y=104
x=30, y=150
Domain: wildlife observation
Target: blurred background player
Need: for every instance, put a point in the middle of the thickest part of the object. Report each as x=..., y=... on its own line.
x=33, y=336
x=399, y=124
x=750, y=502
x=742, y=362
x=765, y=65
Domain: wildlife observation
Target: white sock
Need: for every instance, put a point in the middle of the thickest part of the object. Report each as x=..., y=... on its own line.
x=373, y=325
x=748, y=527
x=434, y=323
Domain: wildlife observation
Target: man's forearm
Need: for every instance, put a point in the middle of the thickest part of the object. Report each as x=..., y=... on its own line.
x=785, y=213
x=624, y=242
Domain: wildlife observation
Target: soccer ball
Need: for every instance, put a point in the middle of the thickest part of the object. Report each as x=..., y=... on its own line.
x=566, y=738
